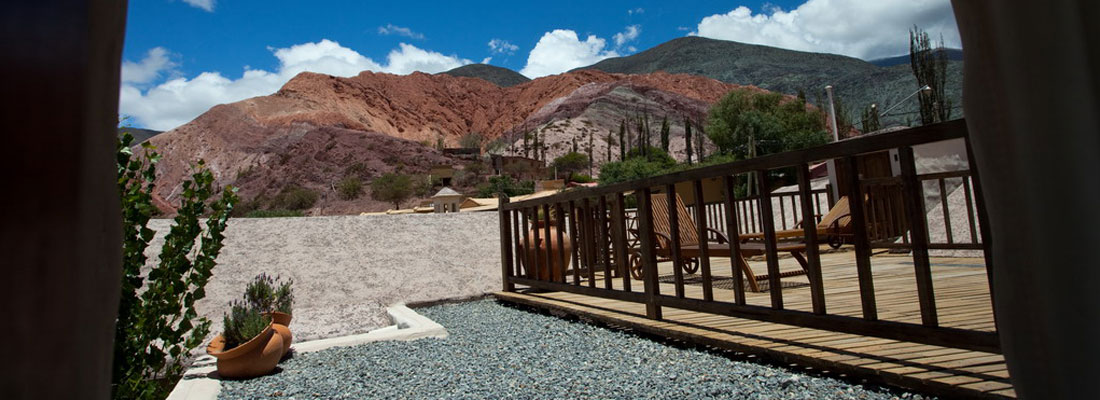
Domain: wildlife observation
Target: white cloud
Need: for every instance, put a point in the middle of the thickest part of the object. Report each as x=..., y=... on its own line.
x=500, y=46
x=156, y=61
x=207, y=5
x=179, y=100
x=628, y=35
x=638, y=10
x=486, y=60
x=864, y=29
x=561, y=50
x=391, y=29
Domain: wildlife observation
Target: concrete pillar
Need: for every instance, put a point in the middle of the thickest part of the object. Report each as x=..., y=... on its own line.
x=61, y=243
x=1032, y=98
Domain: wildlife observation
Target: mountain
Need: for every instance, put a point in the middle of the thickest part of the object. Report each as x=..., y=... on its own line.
x=312, y=131
x=952, y=55
x=502, y=77
x=857, y=83
x=140, y=135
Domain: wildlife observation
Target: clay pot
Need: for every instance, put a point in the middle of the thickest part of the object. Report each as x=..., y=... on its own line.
x=557, y=267
x=250, y=359
x=281, y=322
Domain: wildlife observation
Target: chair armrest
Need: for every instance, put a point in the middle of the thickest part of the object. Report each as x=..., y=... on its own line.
x=722, y=238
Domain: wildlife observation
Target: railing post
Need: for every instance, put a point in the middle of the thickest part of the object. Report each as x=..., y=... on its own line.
x=505, y=245
x=767, y=221
x=704, y=250
x=735, y=240
x=918, y=230
x=809, y=229
x=649, y=260
x=863, y=248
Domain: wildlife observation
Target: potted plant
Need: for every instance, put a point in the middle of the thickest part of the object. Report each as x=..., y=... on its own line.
x=255, y=334
x=249, y=345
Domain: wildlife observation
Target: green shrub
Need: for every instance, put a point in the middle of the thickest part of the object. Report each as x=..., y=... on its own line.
x=242, y=323
x=581, y=178
x=293, y=197
x=506, y=185
x=349, y=188
x=273, y=214
x=392, y=188
x=157, y=323
x=357, y=169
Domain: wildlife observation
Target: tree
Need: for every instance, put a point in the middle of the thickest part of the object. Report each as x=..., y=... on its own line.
x=591, y=158
x=505, y=185
x=643, y=136
x=637, y=166
x=571, y=163
x=471, y=140
x=392, y=188
x=622, y=140
x=870, y=120
x=157, y=323
x=574, y=144
x=843, y=120
x=701, y=139
x=687, y=138
x=747, y=124
x=664, y=134
x=608, y=158
x=930, y=68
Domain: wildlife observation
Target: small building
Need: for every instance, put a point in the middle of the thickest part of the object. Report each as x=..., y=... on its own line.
x=519, y=167
x=443, y=173
x=447, y=200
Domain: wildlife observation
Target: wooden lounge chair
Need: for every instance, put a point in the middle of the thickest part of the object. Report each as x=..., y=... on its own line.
x=834, y=226
x=690, y=250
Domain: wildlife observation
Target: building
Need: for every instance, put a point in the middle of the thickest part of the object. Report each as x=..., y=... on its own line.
x=447, y=200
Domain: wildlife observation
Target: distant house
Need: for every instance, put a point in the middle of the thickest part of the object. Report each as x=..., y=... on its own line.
x=521, y=167
x=464, y=153
x=444, y=173
x=447, y=200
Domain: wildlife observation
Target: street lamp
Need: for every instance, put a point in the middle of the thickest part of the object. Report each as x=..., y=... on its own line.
x=926, y=89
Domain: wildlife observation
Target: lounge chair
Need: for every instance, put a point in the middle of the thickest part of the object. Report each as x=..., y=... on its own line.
x=690, y=250
x=834, y=227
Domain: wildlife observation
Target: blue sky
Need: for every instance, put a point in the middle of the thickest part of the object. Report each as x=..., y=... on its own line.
x=183, y=56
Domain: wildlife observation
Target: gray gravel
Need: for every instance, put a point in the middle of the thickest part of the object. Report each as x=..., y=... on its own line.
x=499, y=352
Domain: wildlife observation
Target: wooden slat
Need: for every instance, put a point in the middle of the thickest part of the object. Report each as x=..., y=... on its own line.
x=674, y=235
x=588, y=239
x=618, y=222
x=649, y=260
x=604, y=243
x=704, y=251
x=536, y=262
x=863, y=248
x=505, y=246
x=768, y=224
x=575, y=251
x=918, y=231
x=735, y=245
x=551, y=273
x=562, y=257
x=946, y=212
x=528, y=261
x=970, y=209
x=516, y=217
x=809, y=229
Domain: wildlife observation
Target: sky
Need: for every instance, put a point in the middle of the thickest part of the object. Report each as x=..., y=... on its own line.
x=182, y=57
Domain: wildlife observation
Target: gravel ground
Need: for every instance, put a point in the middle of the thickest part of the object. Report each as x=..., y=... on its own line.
x=499, y=352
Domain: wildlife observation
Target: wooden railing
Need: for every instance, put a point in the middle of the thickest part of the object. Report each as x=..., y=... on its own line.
x=595, y=222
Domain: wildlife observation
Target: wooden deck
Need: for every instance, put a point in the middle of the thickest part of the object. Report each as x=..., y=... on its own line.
x=962, y=298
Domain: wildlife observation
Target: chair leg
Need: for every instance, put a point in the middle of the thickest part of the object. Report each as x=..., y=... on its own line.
x=749, y=275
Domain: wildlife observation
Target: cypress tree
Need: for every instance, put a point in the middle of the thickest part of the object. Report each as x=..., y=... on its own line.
x=930, y=68
x=608, y=158
x=664, y=134
x=687, y=138
x=701, y=137
x=590, y=158
x=643, y=137
x=622, y=140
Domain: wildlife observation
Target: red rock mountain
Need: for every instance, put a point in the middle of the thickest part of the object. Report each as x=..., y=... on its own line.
x=316, y=126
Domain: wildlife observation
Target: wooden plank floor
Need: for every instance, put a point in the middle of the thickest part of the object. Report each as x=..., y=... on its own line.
x=962, y=298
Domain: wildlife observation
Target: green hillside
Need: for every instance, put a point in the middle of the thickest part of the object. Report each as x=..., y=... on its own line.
x=858, y=83
x=502, y=77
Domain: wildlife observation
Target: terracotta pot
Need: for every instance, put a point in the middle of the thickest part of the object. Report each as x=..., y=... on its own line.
x=281, y=323
x=280, y=318
x=557, y=267
x=250, y=359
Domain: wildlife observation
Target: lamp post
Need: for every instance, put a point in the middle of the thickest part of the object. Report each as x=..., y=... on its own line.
x=832, y=113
